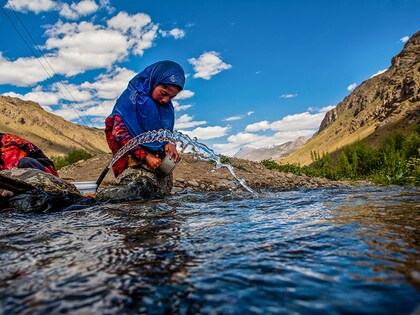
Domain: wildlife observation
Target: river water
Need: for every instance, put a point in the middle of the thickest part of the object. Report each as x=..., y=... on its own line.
x=323, y=251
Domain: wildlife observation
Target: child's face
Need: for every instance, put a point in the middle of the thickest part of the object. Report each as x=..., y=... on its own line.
x=163, y=95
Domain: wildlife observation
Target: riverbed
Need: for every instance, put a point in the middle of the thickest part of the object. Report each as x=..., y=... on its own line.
x=303, y=251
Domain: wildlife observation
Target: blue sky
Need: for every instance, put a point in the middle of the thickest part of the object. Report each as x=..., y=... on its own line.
x=259, y=72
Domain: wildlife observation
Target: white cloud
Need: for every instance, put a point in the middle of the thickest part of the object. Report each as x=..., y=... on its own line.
x=43, y=98
x=205, y=133
x=73, y=48
x=250, y=113
x=102, y=109
x=184, y=94
x=352, y=86
x=77, y=10
x=262, y=125
x=288, y=95
x=298, y=122
x=75, y=111
x=405, y=39
x=110, y=85
x=21, y=72
x=186, y=121
x=130, y=23
x=208, y=65
x=378, y=73
x=35, y=6
x=138, y=28
x=176, y=33
x=294, y=122
x=71, y=92
x=80, y=47
x=245, y=137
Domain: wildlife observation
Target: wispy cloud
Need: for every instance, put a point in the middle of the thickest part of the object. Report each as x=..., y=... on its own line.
x=238, y=117
x=233, y=118
x=288, y=95
x=178, y=107
x=208, y=65
x=352, y=86
x=404, y=39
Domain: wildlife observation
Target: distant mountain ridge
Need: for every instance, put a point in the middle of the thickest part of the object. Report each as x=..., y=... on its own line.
x=273, y=152
x=51, y=133
x=386, y=102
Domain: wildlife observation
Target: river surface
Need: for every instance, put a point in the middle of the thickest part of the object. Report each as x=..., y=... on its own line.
x=321, y=251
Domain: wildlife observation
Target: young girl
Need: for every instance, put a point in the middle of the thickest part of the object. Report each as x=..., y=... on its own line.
x=144, y=106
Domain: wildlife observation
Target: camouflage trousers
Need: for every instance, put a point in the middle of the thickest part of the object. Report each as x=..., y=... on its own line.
x=137, y=183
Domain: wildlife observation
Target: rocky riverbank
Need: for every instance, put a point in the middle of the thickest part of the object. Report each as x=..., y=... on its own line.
x=197, y=175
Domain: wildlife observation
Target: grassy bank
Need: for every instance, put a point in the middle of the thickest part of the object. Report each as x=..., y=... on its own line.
x=396, y=161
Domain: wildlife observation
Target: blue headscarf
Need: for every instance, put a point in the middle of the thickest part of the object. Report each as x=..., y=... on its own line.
x=139, y=111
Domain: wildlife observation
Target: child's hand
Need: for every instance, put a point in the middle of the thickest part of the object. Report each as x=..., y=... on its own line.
x=152, y=160
x=170, y=149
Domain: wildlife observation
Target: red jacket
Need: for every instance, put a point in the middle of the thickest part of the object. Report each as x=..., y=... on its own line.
x=13, y=148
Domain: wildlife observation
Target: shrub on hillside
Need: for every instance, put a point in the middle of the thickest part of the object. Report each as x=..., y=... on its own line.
x=73, y=157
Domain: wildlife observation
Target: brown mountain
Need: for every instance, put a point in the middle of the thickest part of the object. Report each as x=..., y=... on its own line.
x=51, y=133
x=386, y=102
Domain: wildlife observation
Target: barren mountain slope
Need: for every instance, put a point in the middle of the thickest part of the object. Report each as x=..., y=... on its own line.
x=51, y=133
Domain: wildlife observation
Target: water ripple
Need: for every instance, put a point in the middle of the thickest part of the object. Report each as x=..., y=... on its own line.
x=325, y=251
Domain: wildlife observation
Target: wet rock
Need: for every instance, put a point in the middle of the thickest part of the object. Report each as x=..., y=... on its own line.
x=38, y=192
x=141, y=188
x=38, y=179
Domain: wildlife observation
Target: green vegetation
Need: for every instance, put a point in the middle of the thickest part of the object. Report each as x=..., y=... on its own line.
x=396, y=161
x=225, y=159
x=73, y=157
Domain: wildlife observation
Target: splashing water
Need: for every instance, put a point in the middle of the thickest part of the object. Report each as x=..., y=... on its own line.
x=200, y=150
